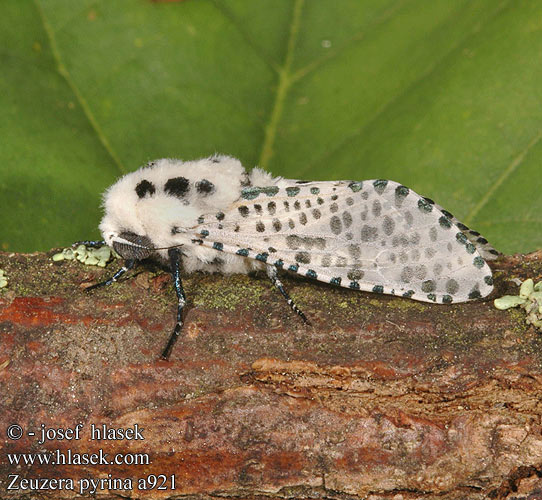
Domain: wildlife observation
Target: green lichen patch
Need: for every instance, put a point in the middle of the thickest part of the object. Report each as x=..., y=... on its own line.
x=529, y=298
x=3, y=279
x=87, y=255
x=229, y=293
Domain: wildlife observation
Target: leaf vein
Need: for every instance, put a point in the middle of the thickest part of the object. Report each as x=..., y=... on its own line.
x=432, y=68
x=65, y=74
x=507, y=172
x=283, y=86
x=249, y=39
x=356, y=37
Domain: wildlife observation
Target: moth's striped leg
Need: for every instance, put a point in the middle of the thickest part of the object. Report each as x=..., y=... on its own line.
x=90, y=243
x=128, y=264
x=273, y=276
x=175, y=261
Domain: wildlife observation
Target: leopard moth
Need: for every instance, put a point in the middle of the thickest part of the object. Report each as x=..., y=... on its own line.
x=212, y=215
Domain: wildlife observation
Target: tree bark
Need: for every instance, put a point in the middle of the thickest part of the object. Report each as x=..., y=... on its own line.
x=381, y=398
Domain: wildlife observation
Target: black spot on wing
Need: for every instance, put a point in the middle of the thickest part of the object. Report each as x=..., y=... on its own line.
x=401, y=192
x=380, y=185
x=425, y=205
x=303, y=257
x=355, y=274
x=262, y=257
x=178, y=187
x=145, y=188
x=445, y=223
x=429, y=286
x=478, y=262
x=292, y=191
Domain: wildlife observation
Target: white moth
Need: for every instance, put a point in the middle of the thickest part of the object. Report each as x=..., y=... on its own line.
x=374, y=235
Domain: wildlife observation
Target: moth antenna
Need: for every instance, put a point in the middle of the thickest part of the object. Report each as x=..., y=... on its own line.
x=167, y=248
x=90, y=243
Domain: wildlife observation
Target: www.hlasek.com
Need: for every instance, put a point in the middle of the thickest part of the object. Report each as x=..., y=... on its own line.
x=86, y=485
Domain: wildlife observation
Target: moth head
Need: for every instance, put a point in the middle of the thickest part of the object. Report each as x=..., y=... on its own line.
x=131, y=246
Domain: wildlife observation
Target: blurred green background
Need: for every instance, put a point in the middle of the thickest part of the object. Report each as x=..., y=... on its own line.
x=444, y=96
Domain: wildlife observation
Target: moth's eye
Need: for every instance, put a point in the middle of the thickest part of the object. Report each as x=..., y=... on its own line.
x=136, y=246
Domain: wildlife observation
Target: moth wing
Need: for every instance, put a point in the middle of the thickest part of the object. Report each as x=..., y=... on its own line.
x=374, y=235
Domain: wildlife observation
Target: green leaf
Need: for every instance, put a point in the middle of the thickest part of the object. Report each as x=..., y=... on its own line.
x=441, y=96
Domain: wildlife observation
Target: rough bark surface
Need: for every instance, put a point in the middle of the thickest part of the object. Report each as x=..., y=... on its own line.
x=381, y=398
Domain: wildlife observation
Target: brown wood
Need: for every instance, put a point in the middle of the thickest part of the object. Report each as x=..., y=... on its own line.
x=381, y=398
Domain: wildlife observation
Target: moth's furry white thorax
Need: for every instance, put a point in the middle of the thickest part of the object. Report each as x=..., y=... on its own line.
x=164, y=200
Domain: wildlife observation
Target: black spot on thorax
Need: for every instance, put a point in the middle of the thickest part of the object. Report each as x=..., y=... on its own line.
x=205, y=187
x=178, y=186
x=145, y=188
x=245, y=180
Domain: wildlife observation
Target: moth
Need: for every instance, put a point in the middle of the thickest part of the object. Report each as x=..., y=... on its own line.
x=212, y=215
